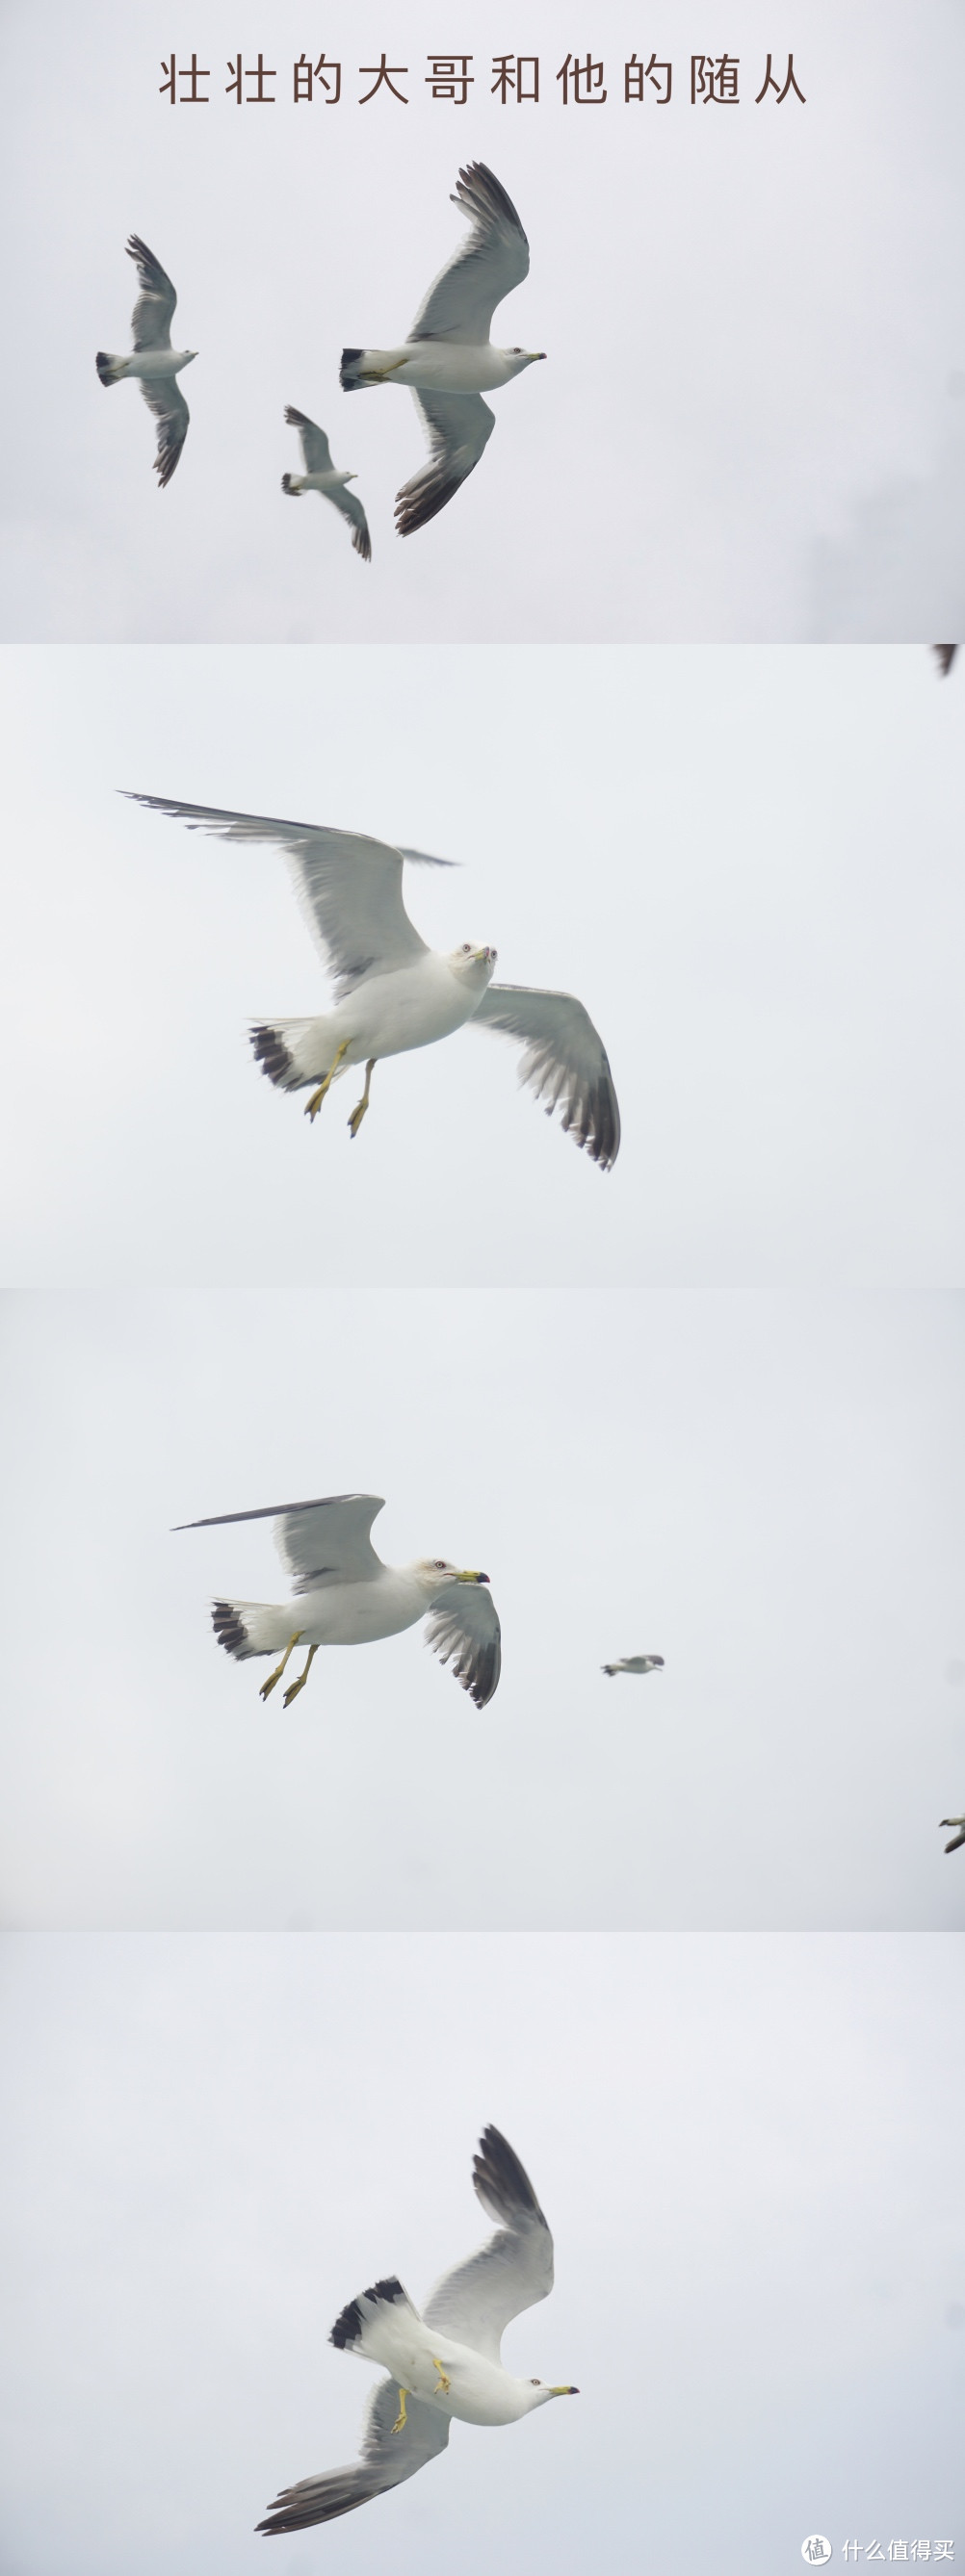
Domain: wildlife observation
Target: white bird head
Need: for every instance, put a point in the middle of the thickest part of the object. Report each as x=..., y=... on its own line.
x=517, y=359
x=474, y=966
x=435, y=1573
x=537, y=2392
x=188, y=355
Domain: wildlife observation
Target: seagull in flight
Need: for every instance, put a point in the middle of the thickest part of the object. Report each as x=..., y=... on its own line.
x=448, y=359
x=946, y=655
x=957, y=1838
x=444, y=2362
x=154, y=362
x=634, y=1664
x=393, y=993
x=322, y=476
x=345, y=1596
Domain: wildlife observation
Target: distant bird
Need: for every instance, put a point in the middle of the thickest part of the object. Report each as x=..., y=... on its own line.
x=154, y=362
x=393, y=993
x=634, y=1664
x=448, y=359
x=322, y=476
x=345, y=1596
x=444, y=2363
x=946, y=655
x=959, y=1838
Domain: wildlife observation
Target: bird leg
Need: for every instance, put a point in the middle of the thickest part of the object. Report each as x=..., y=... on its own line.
x=313, y=1105
x=442, y=2384
x=268, y=1686
x=359, y=1112
x=399, y=2425
x=294, y=1687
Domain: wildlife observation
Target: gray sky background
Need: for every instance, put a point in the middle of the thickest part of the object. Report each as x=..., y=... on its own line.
x=751, y=422
x=749, y=2151
x=709, y=1406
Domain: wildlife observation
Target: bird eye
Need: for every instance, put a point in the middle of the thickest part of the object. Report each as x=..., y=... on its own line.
x=536, y=2383
x=466, y=950
x=439, y=1565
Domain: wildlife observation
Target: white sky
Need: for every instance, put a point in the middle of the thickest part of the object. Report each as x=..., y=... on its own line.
x=749, y=2151
x=748, y=425
x=708, y=1406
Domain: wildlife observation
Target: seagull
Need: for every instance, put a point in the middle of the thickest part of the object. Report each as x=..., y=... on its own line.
x=959, y=1838
x=635, y=1664
x=448, y=359
x=393, y=993
x=321, y=475
x=154, y=362
x=946, y=655
x=345, y=1596
x=446, y=2361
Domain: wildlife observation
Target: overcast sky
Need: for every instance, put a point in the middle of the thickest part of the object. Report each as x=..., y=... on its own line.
x=749, y=2151
x=754, y=317
x=708, y=1406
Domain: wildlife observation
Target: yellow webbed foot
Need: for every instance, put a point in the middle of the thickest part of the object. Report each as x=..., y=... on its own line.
x=313, y=1105
x=358, y=1112
x=268, y=1686
x=399, y=2425
x=294, y=1687
x=442, y=2383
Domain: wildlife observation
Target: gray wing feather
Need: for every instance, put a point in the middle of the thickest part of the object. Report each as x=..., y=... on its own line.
x=351, y=509
x=946, y=655
x=165, y=399
x=386, y=2459
x=458, y=427
x=316, y=452
x=959, y=1838
x=462, y=300
x=462, y=1628
x=475, y=2302
x=151, y=318
x=324, y=1541
x=564, y=1061
x=350, y=887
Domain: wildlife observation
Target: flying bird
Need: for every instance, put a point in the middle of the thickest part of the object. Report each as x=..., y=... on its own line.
x=445, y=2362
x=448, y=359
x=634, y=1664
x=345, y=1596
x=393, y=993
x=154, y=362
x=322, y=476
x=958, y=1838
x=946, y=655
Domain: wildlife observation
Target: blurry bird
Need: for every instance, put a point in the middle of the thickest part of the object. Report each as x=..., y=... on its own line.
x=959, y=1838
x=946, y=655
x=322, y=476
x=634, y=1664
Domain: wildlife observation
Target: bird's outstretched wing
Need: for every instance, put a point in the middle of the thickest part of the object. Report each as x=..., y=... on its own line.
x=151, y=318
x=350, y=888
x=319, y=1543
x=959, y=1838
x=564, y=1061
x=462, y=1628
x=315, y=448
x=165, y=399
x=476, y=2300
x=351, y=509
x=386, y=2459
x=458, y=426
x=463, y=298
